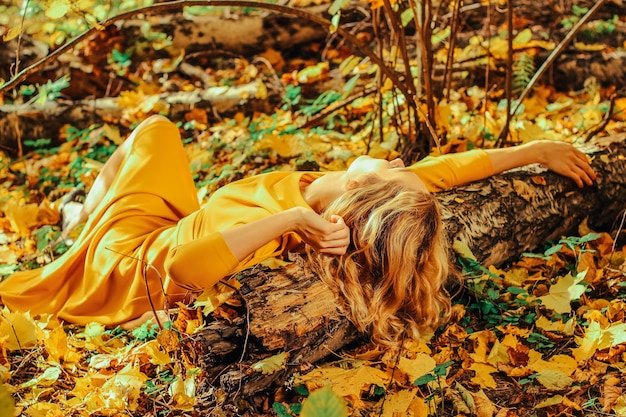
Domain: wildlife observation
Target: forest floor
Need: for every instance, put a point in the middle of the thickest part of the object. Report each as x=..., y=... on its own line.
x=544, y=335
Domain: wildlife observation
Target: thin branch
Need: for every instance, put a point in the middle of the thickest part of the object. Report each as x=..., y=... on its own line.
x=19, y=38
x=605, y=121
x=504, y=132
x=327, y=111
x=179, y=4
x=556, y=52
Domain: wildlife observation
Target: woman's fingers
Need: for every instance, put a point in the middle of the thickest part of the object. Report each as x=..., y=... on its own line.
x=337, y=237
x=568, y=161
x=337, y=242
x=580, y=169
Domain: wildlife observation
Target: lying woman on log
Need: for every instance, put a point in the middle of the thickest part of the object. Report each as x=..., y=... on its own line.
x=373, y=233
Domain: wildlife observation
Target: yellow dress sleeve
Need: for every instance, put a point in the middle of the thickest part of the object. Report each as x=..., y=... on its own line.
x=447, y=171
x=201, y=263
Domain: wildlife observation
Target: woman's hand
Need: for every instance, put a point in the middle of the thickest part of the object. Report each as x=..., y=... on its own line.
x=325, y=236
x=564, y=159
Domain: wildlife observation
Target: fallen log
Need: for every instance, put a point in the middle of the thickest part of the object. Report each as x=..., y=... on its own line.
x=21, y=122
x=291, y=310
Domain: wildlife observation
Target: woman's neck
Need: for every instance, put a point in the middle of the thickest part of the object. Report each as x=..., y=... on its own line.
x=323, y=190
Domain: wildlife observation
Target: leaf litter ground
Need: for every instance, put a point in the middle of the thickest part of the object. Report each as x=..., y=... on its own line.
x=544, y=336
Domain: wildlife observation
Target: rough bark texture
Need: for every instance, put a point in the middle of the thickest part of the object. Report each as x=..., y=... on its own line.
x=290, y=310
x=511, y=213
x=283, y=310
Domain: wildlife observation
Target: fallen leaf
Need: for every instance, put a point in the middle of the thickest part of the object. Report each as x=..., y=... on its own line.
x=272, y=364
x=561, y=294
x=7, y=407
x=324, y=403
x=417, y=367
x=47, y=378
x=562, y=363
x=484, y=406
x=183, y=392
x=557, y=399
x=347, y=383
x=398, y=403
x=483, y=375
x=554, y=380
x=20, y=330
x=567, y=329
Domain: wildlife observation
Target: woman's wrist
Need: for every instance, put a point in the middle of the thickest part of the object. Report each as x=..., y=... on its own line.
x=297, y=219
x=535, y=152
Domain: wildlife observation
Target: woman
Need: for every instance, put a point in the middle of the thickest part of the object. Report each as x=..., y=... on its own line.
x=374, y=231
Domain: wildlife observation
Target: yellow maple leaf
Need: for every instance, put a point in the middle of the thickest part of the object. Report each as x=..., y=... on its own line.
x=548, y=402
x=597, y=338
x=481, y=340
x=348, y=383
x=216, y=295
x=22, y=216
x=620, y=406
x=47, y=378
x=44, y=409
x=498, y=354
x=483, y=375
x=417, y=367
x=561, y=294
x=420, y=407
x=19, y=329
x=154, y=351
x=561, y=363
x=398, y=403
x=124, y=388
x=484, y=406
x=556, y=326
x=56, y=344
x=183, y=392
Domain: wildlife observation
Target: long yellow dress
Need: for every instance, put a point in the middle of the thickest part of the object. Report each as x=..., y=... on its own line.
x=149, y=241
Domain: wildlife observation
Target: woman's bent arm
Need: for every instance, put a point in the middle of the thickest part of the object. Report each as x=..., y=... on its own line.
x=201, y=263
x=324, y=236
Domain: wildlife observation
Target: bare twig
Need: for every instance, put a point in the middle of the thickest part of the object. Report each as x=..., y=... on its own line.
x=179, y=4
x=327, y=111
x=16, y=68
x=504, y=132
x=147, y=265
x=556, y=52
x=605, y=121
x=454, y=27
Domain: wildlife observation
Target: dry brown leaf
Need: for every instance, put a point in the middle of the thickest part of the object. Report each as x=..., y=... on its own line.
x=611, y=393
x=484, y=406
x=506, y=412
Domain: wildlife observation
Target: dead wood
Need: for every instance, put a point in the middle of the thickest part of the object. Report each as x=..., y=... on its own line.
x=290, y=310
x=34, y=122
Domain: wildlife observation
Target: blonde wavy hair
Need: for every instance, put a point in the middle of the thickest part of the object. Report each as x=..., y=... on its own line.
x=391, y=279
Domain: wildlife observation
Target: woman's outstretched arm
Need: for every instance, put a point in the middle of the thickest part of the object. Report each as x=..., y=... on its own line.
x=447, y=171
x=559, y=157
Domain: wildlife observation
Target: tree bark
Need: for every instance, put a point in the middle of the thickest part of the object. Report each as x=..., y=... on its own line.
x=290, y=310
